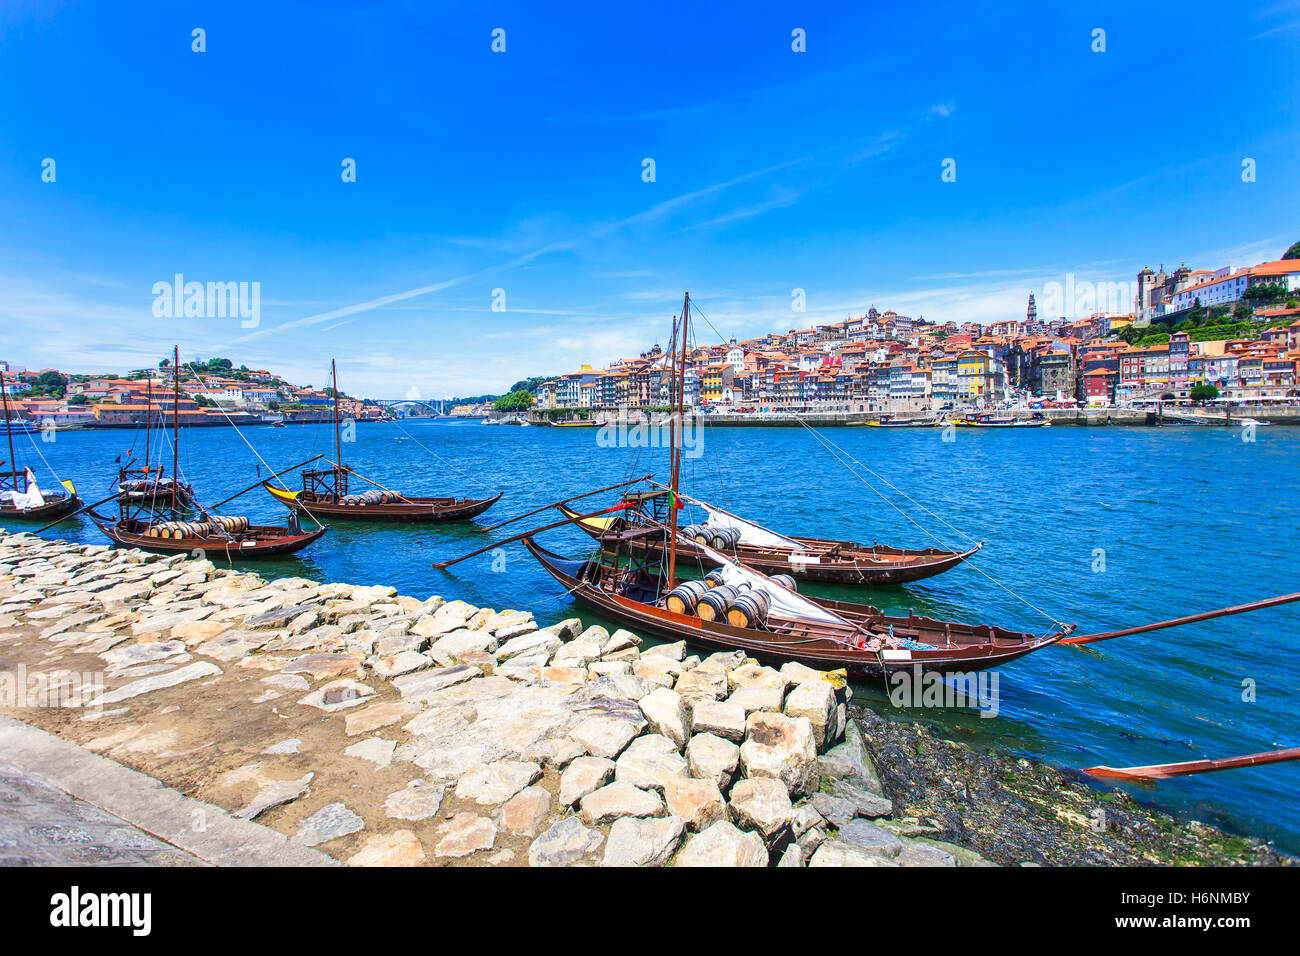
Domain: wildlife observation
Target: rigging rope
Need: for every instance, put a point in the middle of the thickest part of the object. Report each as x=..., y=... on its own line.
x=834, y=449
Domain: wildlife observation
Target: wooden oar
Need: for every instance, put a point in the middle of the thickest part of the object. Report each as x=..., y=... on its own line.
x=556, y=504
x=1160, y=771
x=262, y=481
x=80, y=510
x=525, y=534
x=1177, y=621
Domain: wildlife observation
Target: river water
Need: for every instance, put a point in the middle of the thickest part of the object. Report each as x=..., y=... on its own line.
x=1104, y=527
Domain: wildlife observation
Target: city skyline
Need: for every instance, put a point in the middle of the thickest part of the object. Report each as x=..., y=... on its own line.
x=775, y=170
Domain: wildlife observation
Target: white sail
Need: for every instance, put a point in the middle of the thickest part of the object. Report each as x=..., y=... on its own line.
x=750, y=533
x=785, y=603
x=33, y=498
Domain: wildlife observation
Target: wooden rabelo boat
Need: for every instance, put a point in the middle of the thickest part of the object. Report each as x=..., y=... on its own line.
x=325, y=492
x=740, y=608
x=811, y=559
x=21, y=497
x=161, y=523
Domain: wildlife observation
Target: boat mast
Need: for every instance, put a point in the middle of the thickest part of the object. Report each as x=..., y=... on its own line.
x=9, y=431
x=338, y=448
x=176, y=423
x=675, y=455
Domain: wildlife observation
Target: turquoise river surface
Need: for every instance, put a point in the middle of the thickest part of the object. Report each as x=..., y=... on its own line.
x=1186, y=519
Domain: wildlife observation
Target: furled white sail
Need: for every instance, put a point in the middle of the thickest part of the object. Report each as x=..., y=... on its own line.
x=32, y=499
x=750, y=533
x=785, y=603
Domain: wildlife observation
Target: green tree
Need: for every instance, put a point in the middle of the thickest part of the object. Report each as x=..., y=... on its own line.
x=516, y=401
x=1293, y=252
x=1204, y=392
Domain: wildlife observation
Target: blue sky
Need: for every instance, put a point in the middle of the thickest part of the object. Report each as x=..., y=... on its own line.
x=522, y=171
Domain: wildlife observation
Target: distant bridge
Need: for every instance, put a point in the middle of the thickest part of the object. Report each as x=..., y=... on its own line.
x=433, y=406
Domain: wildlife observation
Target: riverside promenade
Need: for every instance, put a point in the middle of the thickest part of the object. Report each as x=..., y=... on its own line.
x=357, y=725
x=187, y=714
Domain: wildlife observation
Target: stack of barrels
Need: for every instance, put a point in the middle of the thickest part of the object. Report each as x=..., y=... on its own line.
x=722, y=539
x=374, y=496
x=710, y=600
x=180, y=529
x=198, y=529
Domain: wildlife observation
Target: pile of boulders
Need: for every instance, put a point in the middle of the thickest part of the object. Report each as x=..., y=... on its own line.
x=592, y=746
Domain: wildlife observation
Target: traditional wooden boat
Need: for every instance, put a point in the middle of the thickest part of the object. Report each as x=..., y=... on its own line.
x=811, y=559
x=398, y=508
x=1005, y=421
x=25, y=500
x=869, y=644
x=739, y=608
x=21, y=497
x=325, y=492
x=900, y=423
x=254, y=541
x=160, y=523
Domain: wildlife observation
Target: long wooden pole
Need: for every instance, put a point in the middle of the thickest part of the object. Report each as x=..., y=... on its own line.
x=338, y=447
x=81, y=510
x=556, y=504
x=176, y=422
x=262, y=481
x=676, y=454
x=9, y=431
x=1160, y=771
x=1178, y=621
x=525, y=534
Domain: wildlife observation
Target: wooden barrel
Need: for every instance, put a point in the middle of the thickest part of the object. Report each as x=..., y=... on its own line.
x=684, y=598
x=702, y=534
x=714, y=577
x=725, y=539
x=749, y=609
x=785, y=580
x=714, y=604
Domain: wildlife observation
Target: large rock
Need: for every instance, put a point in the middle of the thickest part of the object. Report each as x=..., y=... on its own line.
x=869, y=837
x=865, y=803
x=657, y=669
x=850, y=761
x=526, y=810
x=565, y=843
x=419, y=684
x=722, y=845
x=463, y=834
x=699, y=684
x=497, y=782
x=582, y=776
x=399, y=848
x=608, y=731
x=649, y=762
x=709, y=757
x=634, y=842
x=418, y=800
x=749, y=699
x=673, y=652
x=542, y=643
x=783, y=748
x=665, y=711
x=328, y=823
x=814, y=700
x=754, y=674
x=834, y=853
x=919, y=854
x=619, y=800
x=699, y=803
x=763, y=805
x=720, y=718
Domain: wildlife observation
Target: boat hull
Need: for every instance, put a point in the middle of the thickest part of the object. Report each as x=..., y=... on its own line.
x=967, y=654
x=260, y=541
x=869, y=566
x=411, y=509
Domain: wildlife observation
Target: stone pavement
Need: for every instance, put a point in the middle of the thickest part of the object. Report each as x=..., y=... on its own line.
x=41, y=825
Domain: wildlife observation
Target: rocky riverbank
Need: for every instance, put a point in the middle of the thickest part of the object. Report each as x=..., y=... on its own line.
x=384, y=729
